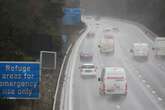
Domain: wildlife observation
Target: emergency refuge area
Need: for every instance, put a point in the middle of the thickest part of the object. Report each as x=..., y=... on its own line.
x=19, y=80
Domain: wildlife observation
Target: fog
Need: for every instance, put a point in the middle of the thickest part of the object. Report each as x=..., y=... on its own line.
x=150, y=13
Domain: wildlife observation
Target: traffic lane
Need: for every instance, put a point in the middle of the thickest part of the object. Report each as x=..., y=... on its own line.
x=132, y=69
x=147, y=68
x=138, y=36
x=142, y=100
x=131, y=34
x=115, y=104
x=87, y=97
x=121, y=41
x=158, y=60
x=141, y=62
x=135, y=34
x=84, y=89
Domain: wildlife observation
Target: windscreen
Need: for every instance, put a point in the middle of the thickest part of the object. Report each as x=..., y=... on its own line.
x=88, y=67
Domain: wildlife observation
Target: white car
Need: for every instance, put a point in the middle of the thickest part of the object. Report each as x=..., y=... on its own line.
x=112, y=81
x=88, y=70
x=106, y=45
x=159, y=46
x=140, y=49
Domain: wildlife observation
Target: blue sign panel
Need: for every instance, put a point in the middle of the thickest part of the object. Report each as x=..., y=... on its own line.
x=72, y=16
x=72, y=11
x=73, y=0
x=19, y=80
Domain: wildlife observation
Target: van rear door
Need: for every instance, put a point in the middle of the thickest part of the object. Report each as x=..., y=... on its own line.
x=114, y=84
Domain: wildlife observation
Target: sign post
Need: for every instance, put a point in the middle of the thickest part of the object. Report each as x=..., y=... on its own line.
x=19, y=80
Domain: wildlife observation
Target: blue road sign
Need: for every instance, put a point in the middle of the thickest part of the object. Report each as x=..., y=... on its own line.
x=73, y=0
x=72, y=16
x=19, y=80
x=72, y=11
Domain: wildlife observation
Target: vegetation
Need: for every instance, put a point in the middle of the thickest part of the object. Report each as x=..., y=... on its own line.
x=23, y=20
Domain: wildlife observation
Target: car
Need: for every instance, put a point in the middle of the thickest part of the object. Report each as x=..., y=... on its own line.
x=159, y=46
x=88, y=69
x=140, y=49
x=90, y=34
x=86, y=55
x=112, y=80
x=106, y=45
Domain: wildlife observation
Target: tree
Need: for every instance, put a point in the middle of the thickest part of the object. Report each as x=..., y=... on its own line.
x=21, y=19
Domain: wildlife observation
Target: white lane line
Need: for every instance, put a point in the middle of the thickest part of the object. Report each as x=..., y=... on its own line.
x=153, y=92
x=73, y=61
x=154, y=101
x=118, y=106
x=160, y=99
x=137, y=72
x=144, y=81
x=148, y=86
x=59, y=78
x=140, y=76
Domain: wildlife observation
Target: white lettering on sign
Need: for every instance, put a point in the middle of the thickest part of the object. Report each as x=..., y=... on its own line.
x=17, y=68
x=8, y=91
x=18, y=84
x=28, y=76
x=11, y=76
x=19, y=92
x=25, y=92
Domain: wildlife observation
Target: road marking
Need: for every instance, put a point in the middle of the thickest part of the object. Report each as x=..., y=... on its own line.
x=160, y=99
x=144, y=81
x=153, y=92
x=140, y=76
x=148, y=86
x=118, y=106
x=137, y=72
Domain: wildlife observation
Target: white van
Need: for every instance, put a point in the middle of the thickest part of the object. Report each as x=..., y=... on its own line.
x=106, y=45
x=140, y=49
x=159, y=46
x=113, y=81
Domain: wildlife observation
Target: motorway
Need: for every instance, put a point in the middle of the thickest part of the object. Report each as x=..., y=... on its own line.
x=146, y=84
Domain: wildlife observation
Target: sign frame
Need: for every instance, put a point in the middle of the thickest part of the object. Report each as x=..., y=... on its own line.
x=55, y=60
x=39, y=86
